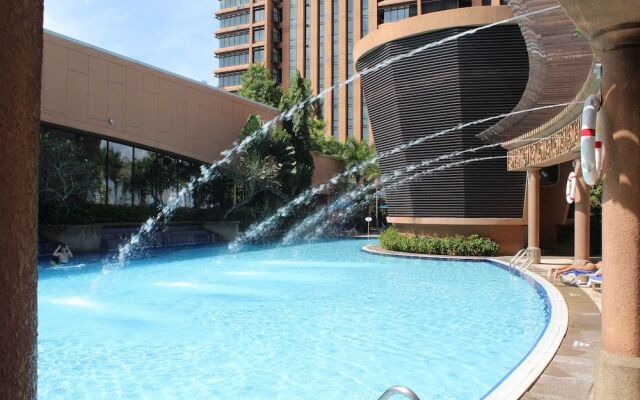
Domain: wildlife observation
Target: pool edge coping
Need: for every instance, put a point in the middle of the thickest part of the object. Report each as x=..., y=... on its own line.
x=526, y=373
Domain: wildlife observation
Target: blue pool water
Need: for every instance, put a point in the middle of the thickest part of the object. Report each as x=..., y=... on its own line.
x=313, y=321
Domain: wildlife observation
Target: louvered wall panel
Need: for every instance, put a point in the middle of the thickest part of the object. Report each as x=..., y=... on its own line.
x=475, y=77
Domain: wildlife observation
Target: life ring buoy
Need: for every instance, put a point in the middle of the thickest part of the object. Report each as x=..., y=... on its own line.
x=590, y=142
x=571, y=188
x=599, y=146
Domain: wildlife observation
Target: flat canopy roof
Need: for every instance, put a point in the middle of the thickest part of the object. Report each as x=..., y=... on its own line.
x=560, y=65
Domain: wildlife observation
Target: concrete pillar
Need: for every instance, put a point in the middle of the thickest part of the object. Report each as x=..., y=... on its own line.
x=617, y=373
x=582, y=218
x=20, y=69
x=533, y=212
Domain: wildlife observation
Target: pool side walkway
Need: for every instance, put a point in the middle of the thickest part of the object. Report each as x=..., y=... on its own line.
x=569, y=375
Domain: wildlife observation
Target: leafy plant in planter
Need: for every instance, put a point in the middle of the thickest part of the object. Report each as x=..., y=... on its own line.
x=457, y=245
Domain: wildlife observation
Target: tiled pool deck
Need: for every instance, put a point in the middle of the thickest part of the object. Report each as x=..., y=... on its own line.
x=569, y=374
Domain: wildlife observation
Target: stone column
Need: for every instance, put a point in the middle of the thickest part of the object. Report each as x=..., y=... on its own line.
x=582, y=218
x=20, y=70
x=533, y=212
x=618, y=366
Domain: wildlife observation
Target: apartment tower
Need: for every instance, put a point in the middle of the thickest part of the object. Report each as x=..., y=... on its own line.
x=250, y=32
x=315, y=37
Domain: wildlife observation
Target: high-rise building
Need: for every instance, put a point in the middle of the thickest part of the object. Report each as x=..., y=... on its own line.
x=317, y=38
x=250, y=32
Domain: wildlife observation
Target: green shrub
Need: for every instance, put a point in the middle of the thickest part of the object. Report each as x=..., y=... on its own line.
x=458, y=245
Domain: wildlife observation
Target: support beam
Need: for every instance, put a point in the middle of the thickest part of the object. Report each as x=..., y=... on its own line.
x=533, y=213
x=20, y=69
x=582, y=218
x=613, y=29
x=618, y=367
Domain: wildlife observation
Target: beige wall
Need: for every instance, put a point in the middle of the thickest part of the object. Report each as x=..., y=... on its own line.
x=326, y=167
x=83, y=87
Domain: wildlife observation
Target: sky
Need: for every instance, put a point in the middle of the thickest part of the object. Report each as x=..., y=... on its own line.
x=175, y=35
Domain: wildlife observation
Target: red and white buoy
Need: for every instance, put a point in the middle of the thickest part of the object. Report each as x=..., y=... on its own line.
x=571, y=188
x=591, y=151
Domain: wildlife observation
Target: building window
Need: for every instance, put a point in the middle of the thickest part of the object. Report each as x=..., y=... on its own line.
x=276, y=56
x=486, y=2
x=504, y=2
x=335, y=115
x=276, y=35
x=230, y=79
x=335, y=69
x=232, y=3
x=119, y=163
x=277, y=75
x=258, y=35
x=293, y=38
x=397, y=13
x=307, y=39
x=126, y=175
x=350, y=30
x=233, y=39
x=321, y=67
x=349, y=88
x=258, y=55
x=429, y=6
x=365, y=119
x=258, y=14
x=275, y=16
x=232, y=59
x=364, y=17
x=350, y=131
x=233, y=19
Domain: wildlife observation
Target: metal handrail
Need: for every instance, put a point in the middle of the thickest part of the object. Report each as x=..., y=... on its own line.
x=522, y=260
x=516, y=259
x=528, y=262
x=401, y=390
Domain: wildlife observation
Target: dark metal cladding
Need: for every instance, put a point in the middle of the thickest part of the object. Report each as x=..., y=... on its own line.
x=560, y=61
x=477, y=76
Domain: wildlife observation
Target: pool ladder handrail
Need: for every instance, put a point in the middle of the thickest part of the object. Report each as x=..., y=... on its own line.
x=401, y=390
x=522, y=260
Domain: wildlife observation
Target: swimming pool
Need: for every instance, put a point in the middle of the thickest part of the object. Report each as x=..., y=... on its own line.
x=312, y=321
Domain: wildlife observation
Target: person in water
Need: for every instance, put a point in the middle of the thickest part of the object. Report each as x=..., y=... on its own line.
x=62, y=255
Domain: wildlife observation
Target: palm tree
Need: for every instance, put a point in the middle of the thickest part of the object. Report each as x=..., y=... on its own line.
x=115, y=168
x=360, y=153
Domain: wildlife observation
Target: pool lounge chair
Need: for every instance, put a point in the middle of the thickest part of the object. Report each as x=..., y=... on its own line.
x=595, y=281
x=581, y=277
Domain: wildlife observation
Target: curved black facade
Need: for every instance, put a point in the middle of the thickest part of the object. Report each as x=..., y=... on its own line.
x=477, y=76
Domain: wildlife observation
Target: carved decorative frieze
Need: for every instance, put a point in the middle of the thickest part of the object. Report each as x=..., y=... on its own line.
x=544, y=151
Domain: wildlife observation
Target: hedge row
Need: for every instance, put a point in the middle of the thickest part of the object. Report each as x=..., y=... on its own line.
x=100, y=213
x=473, y=245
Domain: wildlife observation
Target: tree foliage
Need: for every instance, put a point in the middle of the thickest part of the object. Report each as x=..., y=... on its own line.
x=152, y=176
x=67, y=176
x=258, y=84
x=299, y=127
x=358, y=153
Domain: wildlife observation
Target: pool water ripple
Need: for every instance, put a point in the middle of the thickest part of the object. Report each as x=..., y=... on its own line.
x=311, y=321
